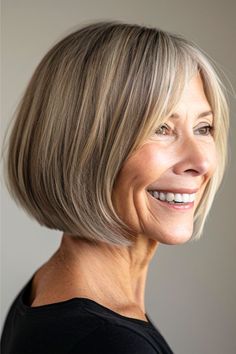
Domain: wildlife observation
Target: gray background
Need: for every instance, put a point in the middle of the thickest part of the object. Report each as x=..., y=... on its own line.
x=191, y=289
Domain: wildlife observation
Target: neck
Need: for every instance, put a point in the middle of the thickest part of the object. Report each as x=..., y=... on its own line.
x=112, y=273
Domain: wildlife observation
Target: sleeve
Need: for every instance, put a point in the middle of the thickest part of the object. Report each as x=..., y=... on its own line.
x=114, y=339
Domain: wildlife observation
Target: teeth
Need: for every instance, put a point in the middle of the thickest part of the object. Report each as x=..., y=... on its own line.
x=185, y=198
x=155, y=194
x=178, y=197
x=170, y=197
x=173, y=197
x=162, y=196
x=191, y=197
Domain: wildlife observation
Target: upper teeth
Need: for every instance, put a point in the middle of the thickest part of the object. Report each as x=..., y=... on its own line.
x=177, y=197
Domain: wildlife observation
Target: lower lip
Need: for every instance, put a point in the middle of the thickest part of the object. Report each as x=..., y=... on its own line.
x=182, y=207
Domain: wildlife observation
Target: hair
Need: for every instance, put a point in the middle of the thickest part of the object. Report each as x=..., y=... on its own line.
x=91, y=102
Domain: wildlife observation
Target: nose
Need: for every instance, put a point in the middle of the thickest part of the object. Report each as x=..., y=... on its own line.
x=195, y=157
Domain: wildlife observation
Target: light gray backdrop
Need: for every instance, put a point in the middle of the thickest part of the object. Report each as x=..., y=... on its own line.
x=191, y=291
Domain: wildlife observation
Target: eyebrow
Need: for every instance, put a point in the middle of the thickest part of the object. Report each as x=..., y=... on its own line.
x=201, y=115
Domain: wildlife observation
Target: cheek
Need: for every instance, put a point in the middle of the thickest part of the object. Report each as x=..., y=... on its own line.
x=157, y=164
x=137, y=173
x=213, y=159
x=149, y=163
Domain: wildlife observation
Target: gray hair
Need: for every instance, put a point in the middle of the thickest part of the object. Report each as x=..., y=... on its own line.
x=92, y=101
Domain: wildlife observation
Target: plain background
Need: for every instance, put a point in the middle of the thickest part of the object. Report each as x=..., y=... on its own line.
x=191, y=288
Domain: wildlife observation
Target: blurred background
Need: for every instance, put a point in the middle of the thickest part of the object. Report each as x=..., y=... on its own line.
x=191, y=288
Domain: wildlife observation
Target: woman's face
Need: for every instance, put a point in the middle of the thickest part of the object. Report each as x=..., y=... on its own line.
x=177, y=162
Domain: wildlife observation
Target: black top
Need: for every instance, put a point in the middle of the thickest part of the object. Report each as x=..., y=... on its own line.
x=76, y=326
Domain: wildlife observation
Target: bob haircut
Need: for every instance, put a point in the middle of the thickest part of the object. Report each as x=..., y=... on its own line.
x=92, y=101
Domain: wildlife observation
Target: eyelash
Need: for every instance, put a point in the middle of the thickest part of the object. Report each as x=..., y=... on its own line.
x=209, y=127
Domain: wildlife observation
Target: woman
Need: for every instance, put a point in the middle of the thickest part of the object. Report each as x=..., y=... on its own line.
x=120, y=141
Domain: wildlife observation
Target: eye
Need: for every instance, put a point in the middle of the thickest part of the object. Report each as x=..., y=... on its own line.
x=205, y=130
x=162, y=130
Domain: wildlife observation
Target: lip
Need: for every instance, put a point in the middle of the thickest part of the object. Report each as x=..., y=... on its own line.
x=184, y=207
x=175, y=190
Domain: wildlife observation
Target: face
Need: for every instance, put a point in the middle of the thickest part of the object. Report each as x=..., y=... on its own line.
x=177, y=161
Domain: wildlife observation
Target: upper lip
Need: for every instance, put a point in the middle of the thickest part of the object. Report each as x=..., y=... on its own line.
x=175, y=190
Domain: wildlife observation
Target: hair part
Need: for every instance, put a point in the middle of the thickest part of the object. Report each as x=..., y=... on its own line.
x=92, y=101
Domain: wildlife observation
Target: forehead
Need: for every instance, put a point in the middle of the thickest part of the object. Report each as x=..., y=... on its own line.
x=199, y=115
x=193, y=100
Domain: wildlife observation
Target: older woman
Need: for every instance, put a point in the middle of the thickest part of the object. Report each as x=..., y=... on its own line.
x=120, y=142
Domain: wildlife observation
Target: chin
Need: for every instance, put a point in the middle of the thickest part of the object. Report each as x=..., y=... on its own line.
x=176, y=241
x=173, y=238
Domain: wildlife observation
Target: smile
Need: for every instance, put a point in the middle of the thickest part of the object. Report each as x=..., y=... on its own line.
x=174, y=200
x=173, y=197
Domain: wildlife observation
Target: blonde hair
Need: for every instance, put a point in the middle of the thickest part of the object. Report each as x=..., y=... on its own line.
x=92, y=101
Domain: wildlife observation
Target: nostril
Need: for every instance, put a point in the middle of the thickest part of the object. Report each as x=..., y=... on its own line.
x=192, y=172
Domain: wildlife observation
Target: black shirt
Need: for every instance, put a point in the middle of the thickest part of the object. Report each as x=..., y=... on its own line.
x=76, y=326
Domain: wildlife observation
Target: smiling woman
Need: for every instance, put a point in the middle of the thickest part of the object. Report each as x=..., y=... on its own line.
x=174, y=166
x=120, y=142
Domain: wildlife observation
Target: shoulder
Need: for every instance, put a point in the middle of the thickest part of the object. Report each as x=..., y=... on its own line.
x=116, y=339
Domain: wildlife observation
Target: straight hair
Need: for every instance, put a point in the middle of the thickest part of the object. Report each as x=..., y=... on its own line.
x=92, y=101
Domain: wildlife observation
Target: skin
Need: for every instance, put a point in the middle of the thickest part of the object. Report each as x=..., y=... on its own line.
x=182, y=157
